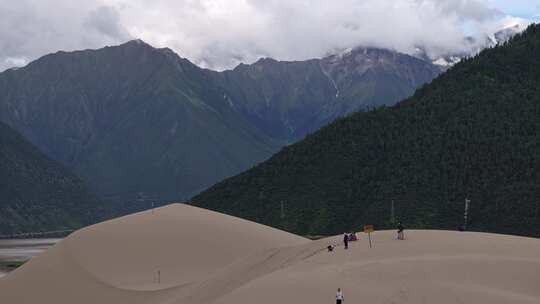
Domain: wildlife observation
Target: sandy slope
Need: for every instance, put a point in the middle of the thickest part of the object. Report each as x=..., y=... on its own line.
x=207, y=257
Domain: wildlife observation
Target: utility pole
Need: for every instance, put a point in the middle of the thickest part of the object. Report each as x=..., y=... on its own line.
x=392, y=214
x=466, y=213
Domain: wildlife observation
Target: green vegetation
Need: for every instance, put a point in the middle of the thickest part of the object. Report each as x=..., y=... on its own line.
x=38, y=194
x=10, y=265
x=474, y=133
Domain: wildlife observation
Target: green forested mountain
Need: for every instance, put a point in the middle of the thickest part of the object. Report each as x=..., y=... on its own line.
x=132, y=121
x=38, y=194
x=138, y=122
x=474, y=133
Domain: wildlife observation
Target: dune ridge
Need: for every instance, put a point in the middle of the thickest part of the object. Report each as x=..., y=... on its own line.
x=208, y=257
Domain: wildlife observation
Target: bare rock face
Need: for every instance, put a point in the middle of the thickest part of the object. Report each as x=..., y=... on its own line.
x=287, y=100
x=370, y=77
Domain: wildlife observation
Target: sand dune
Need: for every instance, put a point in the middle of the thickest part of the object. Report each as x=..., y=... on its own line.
x=207, y=257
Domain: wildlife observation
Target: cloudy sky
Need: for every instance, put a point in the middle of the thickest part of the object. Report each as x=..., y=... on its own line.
x=219, y=34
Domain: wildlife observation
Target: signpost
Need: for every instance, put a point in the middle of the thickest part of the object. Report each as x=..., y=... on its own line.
x=368, y=229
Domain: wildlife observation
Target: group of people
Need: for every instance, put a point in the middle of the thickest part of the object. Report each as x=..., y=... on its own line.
x=351, y=237
x=347, y=237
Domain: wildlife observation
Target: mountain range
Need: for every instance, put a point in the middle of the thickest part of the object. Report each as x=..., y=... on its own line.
x=470, y=135
x=141, y=123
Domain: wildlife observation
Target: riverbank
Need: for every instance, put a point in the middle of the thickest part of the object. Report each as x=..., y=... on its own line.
x=15, y=252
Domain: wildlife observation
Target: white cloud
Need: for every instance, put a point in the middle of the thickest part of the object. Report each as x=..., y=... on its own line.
x=15, y=61
x=221, y=33
x=32, y=28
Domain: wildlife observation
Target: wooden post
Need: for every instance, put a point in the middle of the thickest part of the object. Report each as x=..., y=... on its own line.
x=159, y=277
x=368, y=229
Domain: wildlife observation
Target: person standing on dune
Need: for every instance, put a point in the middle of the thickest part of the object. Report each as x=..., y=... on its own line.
x=400, y=233
x=339, y=296
x=346, y=240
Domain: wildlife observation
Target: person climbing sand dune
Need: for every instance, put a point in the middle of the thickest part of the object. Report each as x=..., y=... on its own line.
x=346, y=240
x=339, y=296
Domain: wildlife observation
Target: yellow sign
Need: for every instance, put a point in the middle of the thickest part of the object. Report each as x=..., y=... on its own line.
x=368, y=228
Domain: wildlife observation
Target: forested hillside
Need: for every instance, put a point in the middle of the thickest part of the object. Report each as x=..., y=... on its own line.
x=38, y=194
x=474, y=133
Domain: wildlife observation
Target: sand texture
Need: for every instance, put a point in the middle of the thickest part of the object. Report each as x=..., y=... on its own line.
x=183, y=254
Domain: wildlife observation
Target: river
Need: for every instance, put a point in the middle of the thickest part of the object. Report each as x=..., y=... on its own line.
x=21, y=250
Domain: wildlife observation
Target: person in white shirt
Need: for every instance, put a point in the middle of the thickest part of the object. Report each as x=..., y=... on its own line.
x=339, y=296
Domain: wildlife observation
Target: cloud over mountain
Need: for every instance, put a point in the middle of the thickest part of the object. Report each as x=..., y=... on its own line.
x=221, y=33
